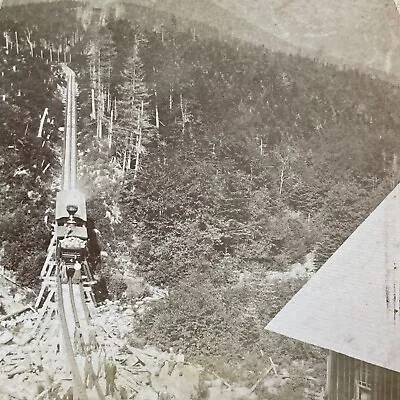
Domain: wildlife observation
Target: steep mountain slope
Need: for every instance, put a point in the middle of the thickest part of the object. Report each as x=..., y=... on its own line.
x=217, y=17
x=362, y=34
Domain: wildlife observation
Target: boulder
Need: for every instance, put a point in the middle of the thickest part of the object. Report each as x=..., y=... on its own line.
x=284, y=373
x=6, y=337
x=129, y=312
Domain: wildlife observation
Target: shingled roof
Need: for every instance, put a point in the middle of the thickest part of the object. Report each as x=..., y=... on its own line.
x=351, y=305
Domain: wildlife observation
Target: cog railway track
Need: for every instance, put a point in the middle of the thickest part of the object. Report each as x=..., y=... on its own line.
x=70, y=299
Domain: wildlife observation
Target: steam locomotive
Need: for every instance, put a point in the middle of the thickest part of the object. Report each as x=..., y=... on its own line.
x=71, y=231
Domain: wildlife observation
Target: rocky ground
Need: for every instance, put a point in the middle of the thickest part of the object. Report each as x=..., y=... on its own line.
x=32, y=368
x=29, y=367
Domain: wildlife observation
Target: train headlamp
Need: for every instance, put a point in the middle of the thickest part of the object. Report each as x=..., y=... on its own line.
x=72, y=209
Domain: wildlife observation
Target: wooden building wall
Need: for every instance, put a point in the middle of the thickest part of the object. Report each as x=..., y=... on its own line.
x=351, y=379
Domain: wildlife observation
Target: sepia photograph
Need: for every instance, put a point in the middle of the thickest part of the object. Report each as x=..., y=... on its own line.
x=199, y=200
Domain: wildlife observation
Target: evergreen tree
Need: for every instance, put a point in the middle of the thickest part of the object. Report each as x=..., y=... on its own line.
x=133, y=128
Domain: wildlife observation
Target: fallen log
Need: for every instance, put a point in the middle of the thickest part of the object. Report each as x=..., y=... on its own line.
x=17, y=371
x=254, y=387
x=17, y=284
x=15, y=313
x=271, y=368
x=43, y=394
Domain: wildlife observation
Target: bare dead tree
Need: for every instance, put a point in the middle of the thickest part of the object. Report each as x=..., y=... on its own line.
x=156, y=111
x=28, y=36
x=284, y=165
x=16, y=42
x=138, y=143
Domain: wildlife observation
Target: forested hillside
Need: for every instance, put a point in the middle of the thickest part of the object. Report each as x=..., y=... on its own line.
x=28, y=155
x=258, y=160
x=208, y=164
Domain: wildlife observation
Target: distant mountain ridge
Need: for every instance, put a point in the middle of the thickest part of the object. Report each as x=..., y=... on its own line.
x=362, y=34
x=212, y=14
